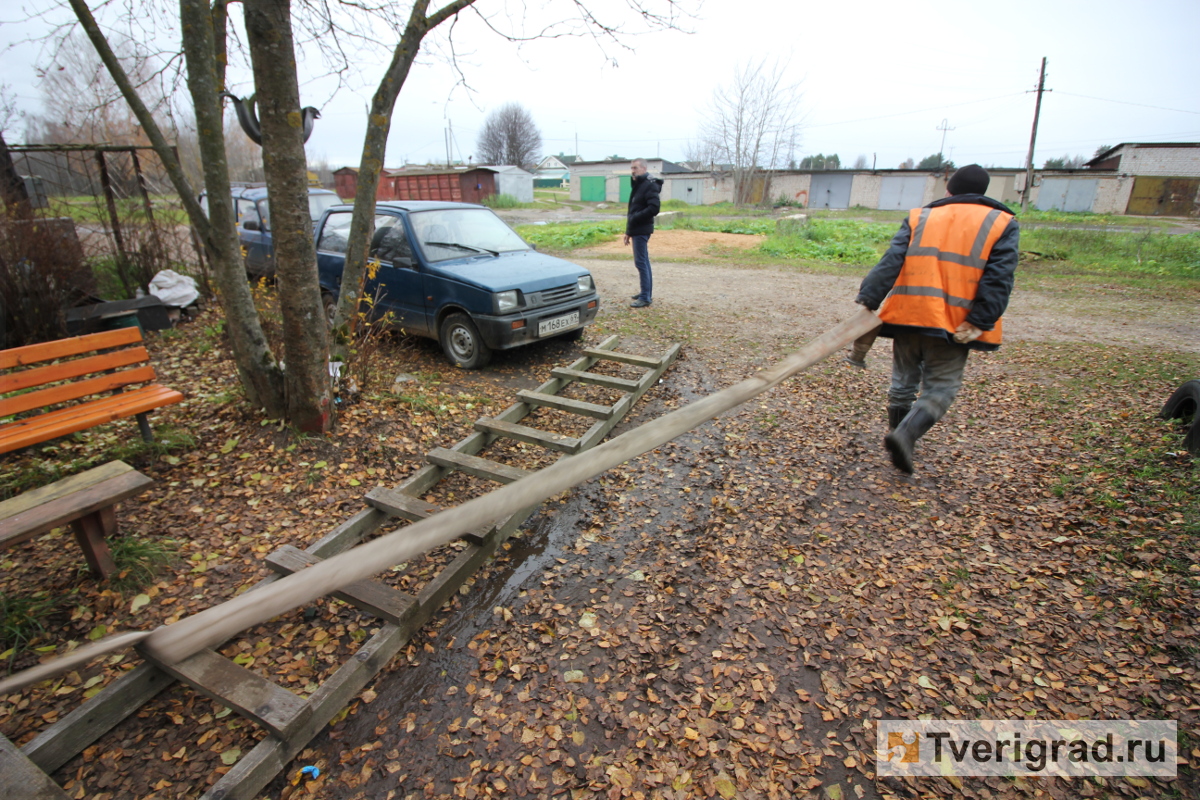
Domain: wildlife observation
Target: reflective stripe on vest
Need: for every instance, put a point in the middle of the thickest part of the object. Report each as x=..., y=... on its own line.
x=947, y=251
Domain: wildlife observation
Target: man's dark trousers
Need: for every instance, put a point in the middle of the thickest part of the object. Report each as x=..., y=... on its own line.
x=641, y=260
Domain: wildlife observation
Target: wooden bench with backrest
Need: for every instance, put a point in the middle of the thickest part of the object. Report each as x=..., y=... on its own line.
x=53, y=377
x=87, y=501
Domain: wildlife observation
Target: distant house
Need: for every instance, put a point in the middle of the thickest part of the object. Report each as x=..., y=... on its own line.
x=554, y=170
x=1165, y=176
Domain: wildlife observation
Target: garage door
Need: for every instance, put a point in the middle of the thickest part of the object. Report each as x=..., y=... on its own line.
x=1067, y=194
x=690, y=191
x=591, y=188
x=902, y=192
x=1168, y=197
x=830, y=191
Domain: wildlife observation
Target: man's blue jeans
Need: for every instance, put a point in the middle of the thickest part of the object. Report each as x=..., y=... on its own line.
x=931, y=363
x=641, y=260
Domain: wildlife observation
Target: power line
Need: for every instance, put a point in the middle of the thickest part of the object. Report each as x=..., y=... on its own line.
x=1127, y=103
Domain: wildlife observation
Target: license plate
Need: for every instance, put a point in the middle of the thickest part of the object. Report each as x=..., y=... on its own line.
x=549, y=326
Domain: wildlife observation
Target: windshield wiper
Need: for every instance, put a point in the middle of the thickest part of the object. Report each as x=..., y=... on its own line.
x=469, y=247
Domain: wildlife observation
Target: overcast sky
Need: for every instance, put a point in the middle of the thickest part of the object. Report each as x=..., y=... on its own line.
x=878, y=79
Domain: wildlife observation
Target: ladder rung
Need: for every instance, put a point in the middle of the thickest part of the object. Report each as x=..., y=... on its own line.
x=414, y=509
x=524, y=433
x=607, y=381
x=474, y=465
x=563, y=404
x=399, y=504
x=366, y=595
x=250, y=694
x=649, y=362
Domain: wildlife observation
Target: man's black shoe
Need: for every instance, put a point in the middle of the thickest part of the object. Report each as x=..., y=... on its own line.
x=634, y=296
x=639, y=303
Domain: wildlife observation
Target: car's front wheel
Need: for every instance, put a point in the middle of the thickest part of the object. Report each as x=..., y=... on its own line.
x=462, y=343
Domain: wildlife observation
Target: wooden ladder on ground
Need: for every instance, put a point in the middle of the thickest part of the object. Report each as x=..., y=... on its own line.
x=292, y=721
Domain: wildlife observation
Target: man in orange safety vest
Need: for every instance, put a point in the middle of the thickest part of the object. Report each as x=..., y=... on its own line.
x=941, y=289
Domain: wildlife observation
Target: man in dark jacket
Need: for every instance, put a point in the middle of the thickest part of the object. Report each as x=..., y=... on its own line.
x=643, y=208
x=949, y=271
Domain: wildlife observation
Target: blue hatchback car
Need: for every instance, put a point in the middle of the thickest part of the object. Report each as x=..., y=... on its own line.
x=457, y=273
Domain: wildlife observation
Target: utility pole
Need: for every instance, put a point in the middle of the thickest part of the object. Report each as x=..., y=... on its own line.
x=945, y=126
x=1037, y=110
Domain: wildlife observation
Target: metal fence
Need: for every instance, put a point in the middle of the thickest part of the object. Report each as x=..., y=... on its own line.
x=126, y=215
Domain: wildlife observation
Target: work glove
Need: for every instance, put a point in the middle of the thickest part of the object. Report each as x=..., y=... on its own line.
x=966, y=333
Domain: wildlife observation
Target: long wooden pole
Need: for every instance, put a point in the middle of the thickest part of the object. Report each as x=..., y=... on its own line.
x=175, y=642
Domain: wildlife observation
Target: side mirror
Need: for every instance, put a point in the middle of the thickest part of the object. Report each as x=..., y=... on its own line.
x=250, y=225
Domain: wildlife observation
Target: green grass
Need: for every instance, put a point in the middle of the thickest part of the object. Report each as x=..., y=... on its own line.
x=22, y=620
x=1148, y=253
x=1087, y=218
x=88, y=208
x=564, y=237
x=829, y=240
x=139, y=561
x=508, y=201
x=759, y=227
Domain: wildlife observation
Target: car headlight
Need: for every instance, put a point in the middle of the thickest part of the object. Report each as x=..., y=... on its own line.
x=506, y=301
x=585, y=284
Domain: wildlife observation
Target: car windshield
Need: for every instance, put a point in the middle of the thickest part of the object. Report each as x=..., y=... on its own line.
x=457, y=232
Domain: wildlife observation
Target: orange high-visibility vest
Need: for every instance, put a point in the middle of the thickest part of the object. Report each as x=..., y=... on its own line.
x=947, y=251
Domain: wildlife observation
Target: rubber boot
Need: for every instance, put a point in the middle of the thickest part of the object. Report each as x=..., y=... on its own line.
x=896, y=415
x=858, y=351
x=901, y=441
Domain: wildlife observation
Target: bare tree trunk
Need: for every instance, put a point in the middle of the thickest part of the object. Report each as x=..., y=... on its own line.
x=306, y=344
x=257, y=369
x=202, y=47
x=379, y=122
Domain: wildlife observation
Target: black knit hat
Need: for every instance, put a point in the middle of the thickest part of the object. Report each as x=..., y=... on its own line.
x=971, y=179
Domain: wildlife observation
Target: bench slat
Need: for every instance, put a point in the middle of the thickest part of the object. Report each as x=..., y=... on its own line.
x=65, y=370
x=77, y=418
x=44, y=398
x=61, y=488
x=64, y=348
x=48, y=515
